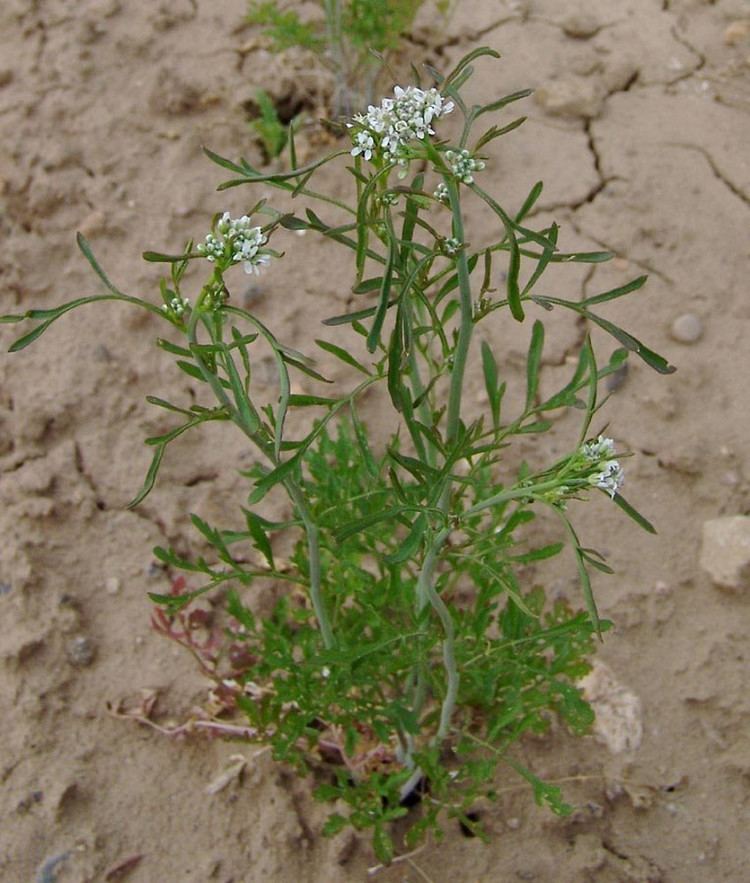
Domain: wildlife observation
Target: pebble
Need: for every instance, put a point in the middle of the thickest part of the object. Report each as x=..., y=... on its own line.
x=725, y=551
x=737, y=32
x=112, y=585
x=581, y=25
x=93, y=223
x=5, y=588
x=80, y=651
x=686, y=328
x=572, y=98
x=618, y=722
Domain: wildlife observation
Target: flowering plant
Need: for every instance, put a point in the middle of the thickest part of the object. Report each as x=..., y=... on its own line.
x=408, y=654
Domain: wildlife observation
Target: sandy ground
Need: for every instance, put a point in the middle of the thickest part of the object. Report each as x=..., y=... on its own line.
x=639, y=128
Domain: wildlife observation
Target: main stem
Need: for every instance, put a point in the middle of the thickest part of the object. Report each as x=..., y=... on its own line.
x=426, y=593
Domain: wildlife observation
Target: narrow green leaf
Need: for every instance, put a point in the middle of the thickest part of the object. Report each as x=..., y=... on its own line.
x=168, y=406
x=539, y=554
x=172, y=348
x=290, y=222
x=502, y=102
x=159, y=258
x=342, y=354
x=533, y=363
x=512, y=286
x=256, y=527
x=366, y=286
x=362, y=441
x=304, y=401
x=498, y=131
x=633, y=513
x=543, y=260
x=530, y=201
x=584, y=257
x=148, y=483
x=385, y=290
x=396, y=388
x=634, y=285
x=652, y=359
x=89, y=255
x=249, y=417
x=280, y=473
x=489, y=367
x=466, y=60
x=408, y=548
x=347, y=318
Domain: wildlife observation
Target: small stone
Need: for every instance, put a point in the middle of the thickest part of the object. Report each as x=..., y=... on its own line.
x=571, y=98
x=112, y=585
x=686, y=328
x=581, y=25
x=725, y=551
x=80, y=651
x=513, y=823
x=93, y=223
x=737, y=32
x=5, y=588
x=618, y=722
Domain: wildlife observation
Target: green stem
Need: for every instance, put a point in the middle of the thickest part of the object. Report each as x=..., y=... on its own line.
x=313, y=552
x=425, y=584
x=531, y=490
x=466, y=328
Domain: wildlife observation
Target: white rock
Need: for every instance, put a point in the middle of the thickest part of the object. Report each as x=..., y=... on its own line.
x=725, y=551
x=618, y=723
x=687, y=328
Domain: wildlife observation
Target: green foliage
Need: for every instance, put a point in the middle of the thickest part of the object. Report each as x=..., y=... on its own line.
x=273, y=134
x=407, y=647
x=353, y=38
x=284, y=27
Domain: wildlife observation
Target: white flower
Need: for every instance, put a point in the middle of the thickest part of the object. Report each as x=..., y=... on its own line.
x=441, y=192
x=389, y=128
x=451, y=246
x=236, y=241
x=463, y=164
x=177, y=306
x=610, y=475
x=601, y=449
x=610, y=478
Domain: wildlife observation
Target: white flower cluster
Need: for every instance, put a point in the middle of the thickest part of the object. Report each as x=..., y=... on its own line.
x=601, y=452
x=451, y=246
x=441, y=192
x=463, y=165
x=610, y=479
x=237, y=242
x=601, y=449
x=177, y=306
x=406, y=117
